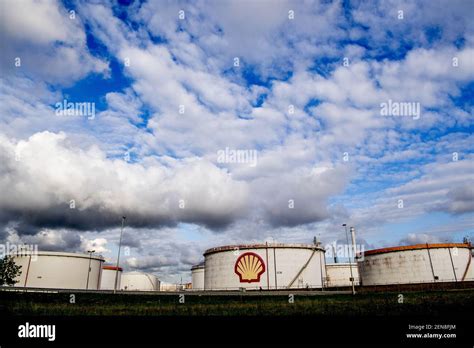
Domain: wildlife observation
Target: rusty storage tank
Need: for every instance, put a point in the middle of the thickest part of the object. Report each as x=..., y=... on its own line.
x=420, y=263
x=339, y=274
x=264, y=266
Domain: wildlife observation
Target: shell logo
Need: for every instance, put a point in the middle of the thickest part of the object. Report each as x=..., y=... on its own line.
x=249, y=267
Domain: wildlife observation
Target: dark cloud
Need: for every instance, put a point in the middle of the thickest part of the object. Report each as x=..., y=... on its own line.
x=461, y=199
x=85, y=191
x=55, y=240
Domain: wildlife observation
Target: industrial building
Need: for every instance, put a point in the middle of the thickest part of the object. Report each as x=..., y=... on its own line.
x=197, y=276
x=138, y=281
x=109, y=275
x=50, y=269
x=339, y=274
x=421, y=263
x=264, y=266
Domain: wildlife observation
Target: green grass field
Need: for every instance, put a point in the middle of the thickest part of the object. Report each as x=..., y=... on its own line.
x=373, y=304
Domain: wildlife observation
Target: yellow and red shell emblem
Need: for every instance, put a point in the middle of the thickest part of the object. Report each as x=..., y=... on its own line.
x=249, y=267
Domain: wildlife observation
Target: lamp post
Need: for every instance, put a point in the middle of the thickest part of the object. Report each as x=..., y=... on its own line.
x=89, y=269
x=350, y=261
x=118, y=256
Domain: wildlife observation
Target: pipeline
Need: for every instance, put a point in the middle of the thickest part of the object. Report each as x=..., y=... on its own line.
x=468, y=264
x=302, y=268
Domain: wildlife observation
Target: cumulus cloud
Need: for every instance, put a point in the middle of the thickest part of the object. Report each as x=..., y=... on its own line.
x=62, y=186
x=260, y=33
x=99, y=245
x=50, y=44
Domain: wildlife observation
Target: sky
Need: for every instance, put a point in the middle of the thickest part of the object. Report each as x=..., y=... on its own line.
x=209, y=123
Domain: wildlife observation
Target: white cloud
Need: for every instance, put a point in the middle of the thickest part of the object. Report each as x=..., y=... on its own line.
x=51, y=45
x=51, y=173
x=99, y=245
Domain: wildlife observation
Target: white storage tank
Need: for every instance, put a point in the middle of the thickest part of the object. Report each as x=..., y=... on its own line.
x=109, y=274
x=339, y=274
x=171, y=287
x=421, y=263
x=58, y=270
x=138, y=281
x=197, y=275
x=264, y=266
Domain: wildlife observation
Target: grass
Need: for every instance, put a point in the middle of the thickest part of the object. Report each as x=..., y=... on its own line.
x=373, y=304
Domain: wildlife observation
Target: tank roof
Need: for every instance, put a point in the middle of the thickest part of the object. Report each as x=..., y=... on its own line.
x=112, y=268
x=262, y=246
x=58, y=253
x=198, y=266
x=416, y=247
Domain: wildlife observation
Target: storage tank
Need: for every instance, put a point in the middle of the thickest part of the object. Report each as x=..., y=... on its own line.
x=339, y=274
x=58, y=270
x=264, y=266
x=109, y=273
x=171, y=287
x=197, y=275
x=421, y=263
x=138, y=281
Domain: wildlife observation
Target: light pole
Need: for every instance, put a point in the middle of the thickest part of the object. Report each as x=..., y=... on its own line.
x=350, y=261
x=118, y=256
x=89, y=269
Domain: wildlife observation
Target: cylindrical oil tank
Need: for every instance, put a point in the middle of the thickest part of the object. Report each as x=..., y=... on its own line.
x=339, y=274
x=421, y=263
x=264, y=266
x=109, y=274
x=197, y=275
x=138, y=281
x=58, y=270
x=171, y=287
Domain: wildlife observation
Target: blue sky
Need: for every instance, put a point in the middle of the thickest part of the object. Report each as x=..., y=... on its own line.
x=299, y=84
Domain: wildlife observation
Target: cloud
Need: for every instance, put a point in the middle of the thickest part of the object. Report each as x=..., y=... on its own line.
x=52, y=176
x=438, y=187
x=62, y=186
x=99, y=245
x=260, y=33
x=420, y=238
x=301, y=197
x=50, y=44
x=460, y=199
x=54, y=240
x=423, y=23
